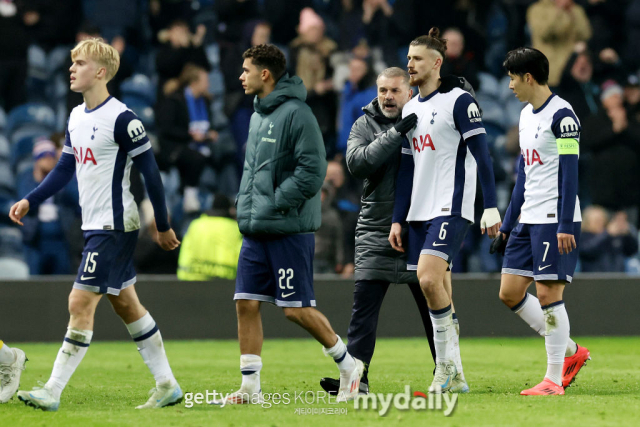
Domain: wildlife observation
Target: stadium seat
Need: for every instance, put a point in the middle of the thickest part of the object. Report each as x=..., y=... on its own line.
x=7, y=182
x=21, y=150
x=31, y=114
x=5, y=148
x=30, y=131
x=489, y=85
x=7, y=199
x=143, y=111
x=140, y=88
x=10, y=242
x=3, y=119
x=11, y=268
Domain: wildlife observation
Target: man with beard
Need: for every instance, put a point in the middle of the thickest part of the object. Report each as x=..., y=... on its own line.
x=373, y=154
x=435, y=193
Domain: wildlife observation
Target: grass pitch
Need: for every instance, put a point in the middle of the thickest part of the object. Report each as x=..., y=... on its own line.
x=112, y=380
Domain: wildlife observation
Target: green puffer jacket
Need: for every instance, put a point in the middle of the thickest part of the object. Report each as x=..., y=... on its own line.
x=284, y=167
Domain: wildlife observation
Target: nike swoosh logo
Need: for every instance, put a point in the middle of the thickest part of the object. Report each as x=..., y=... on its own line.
x=72, y=130
x=87, y=278
x=439, y=244
x=542, y=268
x=378, y=134
x=287, y=295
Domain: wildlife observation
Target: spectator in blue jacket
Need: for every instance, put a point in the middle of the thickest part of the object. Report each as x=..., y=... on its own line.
x=359, y=90
x=45, y=228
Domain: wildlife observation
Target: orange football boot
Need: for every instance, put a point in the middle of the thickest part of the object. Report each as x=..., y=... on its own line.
x=573, y=364
x=546, y=387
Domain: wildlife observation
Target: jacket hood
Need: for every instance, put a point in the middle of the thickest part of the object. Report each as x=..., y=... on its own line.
x=373, y=110
x=287, y=88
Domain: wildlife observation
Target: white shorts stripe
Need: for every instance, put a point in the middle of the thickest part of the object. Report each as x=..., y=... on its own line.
x=517, y=272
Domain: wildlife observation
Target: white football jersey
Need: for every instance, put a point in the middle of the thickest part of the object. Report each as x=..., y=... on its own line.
x=539, y=130
x=444, y=179
x=103, y=141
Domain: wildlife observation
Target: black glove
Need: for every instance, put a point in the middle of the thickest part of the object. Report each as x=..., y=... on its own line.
x=499, y=243
x=406, y=124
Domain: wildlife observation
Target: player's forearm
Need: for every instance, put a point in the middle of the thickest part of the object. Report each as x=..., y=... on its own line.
x=517, y=199
x=146, y=164
x=569, y=170
x=478, y=146
x=54, y=182
x=404, y=186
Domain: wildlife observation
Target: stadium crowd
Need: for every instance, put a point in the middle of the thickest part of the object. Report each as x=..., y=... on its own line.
x=180, y=63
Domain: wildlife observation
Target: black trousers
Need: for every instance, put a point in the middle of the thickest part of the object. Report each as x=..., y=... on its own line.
x=367, y=300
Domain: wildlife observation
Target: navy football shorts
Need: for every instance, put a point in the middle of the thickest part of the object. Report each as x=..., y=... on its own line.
x=277, y=269
x=107, y=261
x=532, y=251
x=441, y=236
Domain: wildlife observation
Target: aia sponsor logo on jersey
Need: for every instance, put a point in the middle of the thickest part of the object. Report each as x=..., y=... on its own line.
x=568, y=128
x=84, y=156
x=531, y=157
x=424, y=142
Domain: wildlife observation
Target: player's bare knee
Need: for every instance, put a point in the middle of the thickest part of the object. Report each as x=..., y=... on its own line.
x=80, y=307
x=429, y=284
x=508, y=297
x=246, y=308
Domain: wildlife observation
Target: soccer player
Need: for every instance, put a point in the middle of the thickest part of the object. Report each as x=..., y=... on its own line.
x=12, y=363
x=435, y=193
x=373, y=154
x=103, y=139
x=278, y=211
x=543, y=246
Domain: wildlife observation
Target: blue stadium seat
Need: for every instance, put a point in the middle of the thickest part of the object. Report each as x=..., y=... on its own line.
x=142, y=110
x=3, y=119
x=31, y=114
x=5, y=148
x=30, y=131
x=489, y=85
x=12, y=268
x=7, y=182
x=7, y=199
x=21, y=150
x=140, y=88
x=10, y=241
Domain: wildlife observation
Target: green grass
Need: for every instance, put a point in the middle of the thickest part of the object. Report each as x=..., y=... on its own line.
x=112, y=380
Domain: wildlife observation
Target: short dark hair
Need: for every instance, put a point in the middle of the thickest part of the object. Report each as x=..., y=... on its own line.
x=432, y=41
x=267, y=56
x=528, y=60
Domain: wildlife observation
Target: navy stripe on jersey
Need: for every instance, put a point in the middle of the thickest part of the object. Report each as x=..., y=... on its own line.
x=460, y=176
x=116, y=189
